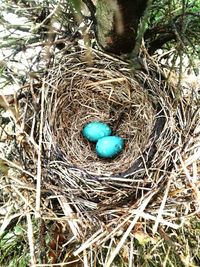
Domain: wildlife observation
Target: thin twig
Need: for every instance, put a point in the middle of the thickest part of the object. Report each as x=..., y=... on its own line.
x=31, y=240
x=39, y=165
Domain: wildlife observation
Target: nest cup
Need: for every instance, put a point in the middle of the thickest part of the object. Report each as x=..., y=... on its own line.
x=105, y=92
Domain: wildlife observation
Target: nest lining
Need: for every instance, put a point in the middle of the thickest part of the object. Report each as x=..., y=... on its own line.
x=82, y=94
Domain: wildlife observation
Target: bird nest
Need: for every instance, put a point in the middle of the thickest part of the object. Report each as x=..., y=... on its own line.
x=77, y=91
x=104, y=195
x=137, y=106
x=82, y=94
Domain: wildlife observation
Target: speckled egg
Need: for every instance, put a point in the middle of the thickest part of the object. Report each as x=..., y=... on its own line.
x=109, y=146
x=95, y=130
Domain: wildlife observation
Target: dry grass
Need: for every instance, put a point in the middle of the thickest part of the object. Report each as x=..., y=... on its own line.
x=103, y=207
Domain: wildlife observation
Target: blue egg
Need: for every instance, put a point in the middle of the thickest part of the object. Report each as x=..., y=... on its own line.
x=95, y=130
x=109, y=146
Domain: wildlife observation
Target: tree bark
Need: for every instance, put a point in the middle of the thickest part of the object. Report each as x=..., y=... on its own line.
x=117, y=23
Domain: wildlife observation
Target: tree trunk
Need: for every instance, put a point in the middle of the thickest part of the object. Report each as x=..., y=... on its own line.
x=116, y=24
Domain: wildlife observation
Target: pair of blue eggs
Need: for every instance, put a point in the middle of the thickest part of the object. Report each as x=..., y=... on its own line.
x=107, y=146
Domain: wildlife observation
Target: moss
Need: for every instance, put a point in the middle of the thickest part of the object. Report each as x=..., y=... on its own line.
x=105, y=19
